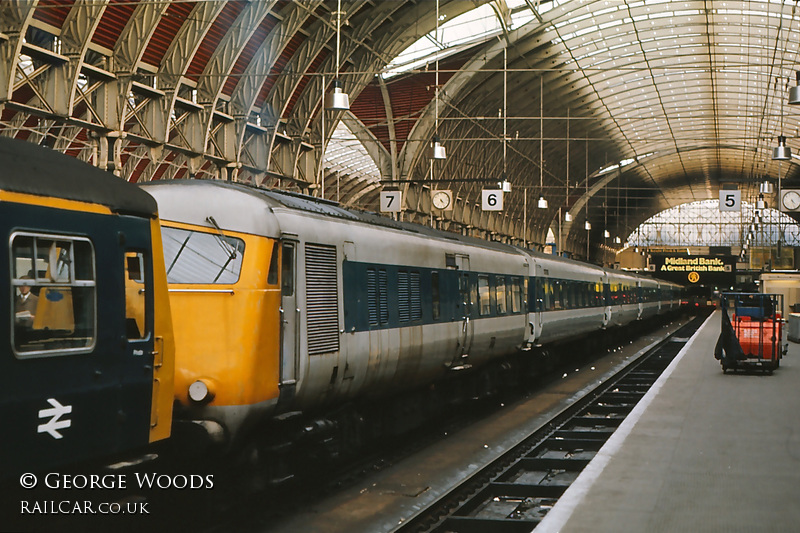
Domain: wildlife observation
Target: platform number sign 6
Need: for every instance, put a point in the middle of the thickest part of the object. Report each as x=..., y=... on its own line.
x=391, y=201
x=730, y=200
x=492, y=199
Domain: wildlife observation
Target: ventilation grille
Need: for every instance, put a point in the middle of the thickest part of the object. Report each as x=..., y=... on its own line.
x=383, y=295
x=377, y=297
x=322, y=308
x=372, y=296
x=404, y=306
x=409, y=296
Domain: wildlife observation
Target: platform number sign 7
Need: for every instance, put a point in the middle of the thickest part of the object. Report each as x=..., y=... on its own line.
x=730, y=200
x=391, y=201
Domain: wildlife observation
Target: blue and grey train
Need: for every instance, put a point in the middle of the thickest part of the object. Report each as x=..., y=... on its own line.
x=284, y=305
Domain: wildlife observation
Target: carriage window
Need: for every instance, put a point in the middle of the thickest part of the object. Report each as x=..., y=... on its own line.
x=484, y=296
x=53, y=283
x=558, y=302
x=272, y=273
x=135, y=292
x=516, y=296
x=287, y=269
x=465, y=291
x=197, y=257
x=500, y=294
x=549, y=296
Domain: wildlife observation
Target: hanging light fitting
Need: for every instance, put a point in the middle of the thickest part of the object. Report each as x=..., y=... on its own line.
x=781, y=152
x=338, y=100
x=794, y=92
x=437, y=150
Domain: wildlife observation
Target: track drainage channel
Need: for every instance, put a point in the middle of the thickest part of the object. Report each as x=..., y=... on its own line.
x=514, y=492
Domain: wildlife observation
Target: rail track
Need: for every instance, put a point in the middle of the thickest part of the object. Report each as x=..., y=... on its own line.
x=514, y=492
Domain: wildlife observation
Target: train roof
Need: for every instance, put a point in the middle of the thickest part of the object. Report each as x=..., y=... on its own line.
x=235, y=200
x=240, y=207
x=31, y=169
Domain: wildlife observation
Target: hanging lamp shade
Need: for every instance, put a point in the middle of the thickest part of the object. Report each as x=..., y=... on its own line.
x=437, y=150
x=337, y=100
x=542, y=204
x=568, y=216
x=606, y=234
x=505, y=185
x=587, y=225
x=617, y=240
x=765, y=188
x=781, y=152
x=794, y=92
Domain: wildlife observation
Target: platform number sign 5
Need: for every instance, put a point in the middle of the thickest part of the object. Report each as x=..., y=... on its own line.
x=391, y=201
x=730, y=200
x=492, y=199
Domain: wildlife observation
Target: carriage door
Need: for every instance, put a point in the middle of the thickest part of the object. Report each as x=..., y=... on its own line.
x=536, y=304
x=143, y=352
x=290, y=320
x=639, y=298
x=465, y=310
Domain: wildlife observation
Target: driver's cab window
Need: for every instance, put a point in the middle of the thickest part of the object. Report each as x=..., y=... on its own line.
x=53, y=283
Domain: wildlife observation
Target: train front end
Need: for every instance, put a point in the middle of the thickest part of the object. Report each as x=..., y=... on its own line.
x=86, y=361
x=225, y=297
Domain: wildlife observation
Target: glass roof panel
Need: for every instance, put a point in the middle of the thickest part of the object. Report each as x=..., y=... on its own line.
x=703, y=224
x=346, y=155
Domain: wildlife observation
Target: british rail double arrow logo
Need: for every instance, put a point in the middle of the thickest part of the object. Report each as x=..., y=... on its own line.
x=55, y=423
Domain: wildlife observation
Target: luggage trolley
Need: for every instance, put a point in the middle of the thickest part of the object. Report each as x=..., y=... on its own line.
x=752, y=332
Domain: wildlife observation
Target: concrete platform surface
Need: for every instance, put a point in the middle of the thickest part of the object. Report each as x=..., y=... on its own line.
x=703, y=451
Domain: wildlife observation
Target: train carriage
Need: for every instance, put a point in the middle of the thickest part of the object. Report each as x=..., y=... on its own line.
x=86, y=365
x=568, y=298
x=622, y=297
x=649, y=298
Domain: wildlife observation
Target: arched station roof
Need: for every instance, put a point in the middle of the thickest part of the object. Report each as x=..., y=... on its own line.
x=619, y=107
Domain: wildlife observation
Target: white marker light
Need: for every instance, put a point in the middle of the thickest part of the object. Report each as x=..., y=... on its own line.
x=198, y=391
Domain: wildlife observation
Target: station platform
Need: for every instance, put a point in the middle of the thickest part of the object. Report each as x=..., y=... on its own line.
x=702, y=451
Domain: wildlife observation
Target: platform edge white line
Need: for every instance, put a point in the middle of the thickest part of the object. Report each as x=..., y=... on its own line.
x=558, y=516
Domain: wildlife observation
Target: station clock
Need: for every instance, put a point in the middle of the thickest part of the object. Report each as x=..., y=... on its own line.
x=790, y=200
x=442, y=200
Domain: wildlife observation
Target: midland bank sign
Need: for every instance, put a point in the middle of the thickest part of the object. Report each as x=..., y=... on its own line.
x=694, y=270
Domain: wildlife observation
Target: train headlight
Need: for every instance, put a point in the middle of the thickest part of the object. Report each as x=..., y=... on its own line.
x=200, y=392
